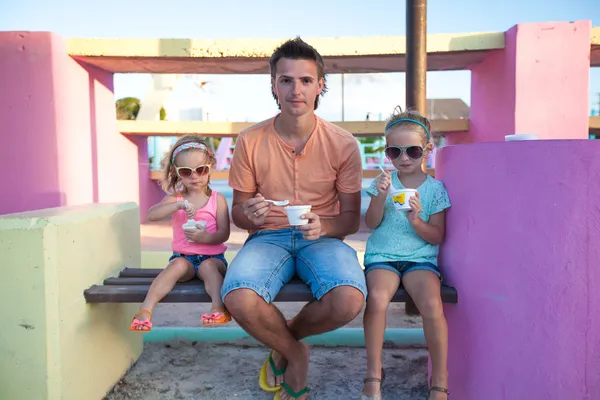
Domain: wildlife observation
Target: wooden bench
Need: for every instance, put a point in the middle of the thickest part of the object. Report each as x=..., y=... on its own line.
x=133, y=283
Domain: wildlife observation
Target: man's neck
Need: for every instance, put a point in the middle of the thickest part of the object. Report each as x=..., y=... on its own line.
x=295, y=128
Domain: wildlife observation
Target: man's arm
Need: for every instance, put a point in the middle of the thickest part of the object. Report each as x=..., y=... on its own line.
x=237, y=210
x=348, y=221
x=348, y=184
x=243, y=183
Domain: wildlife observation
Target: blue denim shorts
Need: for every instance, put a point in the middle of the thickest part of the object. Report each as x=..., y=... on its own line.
x=197, y=259
x=404, y=267
x=270, y=259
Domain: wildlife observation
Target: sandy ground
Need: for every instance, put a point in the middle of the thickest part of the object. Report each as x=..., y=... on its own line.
x=194, y=370
x=190, y=370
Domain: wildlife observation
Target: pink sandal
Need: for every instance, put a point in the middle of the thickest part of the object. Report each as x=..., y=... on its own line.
x=216, y=318
x=146, y=325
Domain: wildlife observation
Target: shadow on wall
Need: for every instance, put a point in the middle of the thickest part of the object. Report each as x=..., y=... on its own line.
x=28, y=142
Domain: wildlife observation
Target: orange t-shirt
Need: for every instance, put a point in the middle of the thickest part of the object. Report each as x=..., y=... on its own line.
x=329, y=163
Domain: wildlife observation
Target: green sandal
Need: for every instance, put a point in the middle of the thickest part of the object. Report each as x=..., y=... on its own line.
x=288, y=389
x=262, y=380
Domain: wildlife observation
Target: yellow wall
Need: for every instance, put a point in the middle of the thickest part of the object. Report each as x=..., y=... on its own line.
x=52, y=344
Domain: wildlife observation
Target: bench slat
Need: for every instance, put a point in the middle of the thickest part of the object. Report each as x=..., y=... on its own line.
x=148, y=281
x=140, y=272
x=122, y=290
x=181, y=293
x=135, y=281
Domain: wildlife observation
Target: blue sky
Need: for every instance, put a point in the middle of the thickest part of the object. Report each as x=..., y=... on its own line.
x=226, y=96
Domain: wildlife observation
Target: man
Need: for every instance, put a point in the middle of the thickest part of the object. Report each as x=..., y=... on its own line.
x=299, y=157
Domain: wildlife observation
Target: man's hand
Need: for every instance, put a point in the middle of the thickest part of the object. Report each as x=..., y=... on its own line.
x=256, y=209
x=312, y=230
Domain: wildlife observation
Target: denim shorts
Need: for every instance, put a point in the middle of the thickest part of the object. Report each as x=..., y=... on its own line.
x=404, y=267
x=197, y=259
x=271, y=258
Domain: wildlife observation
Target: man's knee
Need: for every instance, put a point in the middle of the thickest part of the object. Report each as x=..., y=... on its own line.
x=241, y=302
x=345, y=303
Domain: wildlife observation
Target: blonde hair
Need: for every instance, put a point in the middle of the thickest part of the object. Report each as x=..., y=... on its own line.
x=413, y=118
x=171, y=182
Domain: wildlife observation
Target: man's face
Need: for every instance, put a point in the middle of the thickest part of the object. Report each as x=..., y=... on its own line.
x=297, y=86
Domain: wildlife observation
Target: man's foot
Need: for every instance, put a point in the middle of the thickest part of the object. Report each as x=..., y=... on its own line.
x=280, y=365
x=296, y=375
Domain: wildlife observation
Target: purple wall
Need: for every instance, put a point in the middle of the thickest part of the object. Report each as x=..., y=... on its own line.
x=523, y=250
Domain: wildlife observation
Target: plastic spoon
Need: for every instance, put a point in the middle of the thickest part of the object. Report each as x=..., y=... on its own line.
x=191, y=223
x=279, y=203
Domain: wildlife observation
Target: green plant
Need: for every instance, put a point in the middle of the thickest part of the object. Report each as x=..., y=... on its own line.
x=129, y=107
x=374, y=141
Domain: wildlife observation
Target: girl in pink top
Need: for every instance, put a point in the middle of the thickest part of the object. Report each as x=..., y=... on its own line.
x=199, y=251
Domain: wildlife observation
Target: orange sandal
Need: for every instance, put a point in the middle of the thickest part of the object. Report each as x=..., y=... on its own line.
x=146, y=325
x=216, y=318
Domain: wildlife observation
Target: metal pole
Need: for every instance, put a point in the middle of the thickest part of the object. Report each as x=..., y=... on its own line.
x=416, y=55
x=416, y=73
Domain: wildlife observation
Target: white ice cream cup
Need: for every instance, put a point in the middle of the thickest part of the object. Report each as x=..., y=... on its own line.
x=401, y=198
x=295, y=212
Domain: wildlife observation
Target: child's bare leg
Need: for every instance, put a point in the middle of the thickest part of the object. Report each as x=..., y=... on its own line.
x=381, y=286
x=424, y=288
x=178, y=270
x=212, y=271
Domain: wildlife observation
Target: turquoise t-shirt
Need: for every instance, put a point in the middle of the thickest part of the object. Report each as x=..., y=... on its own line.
x=395, y=239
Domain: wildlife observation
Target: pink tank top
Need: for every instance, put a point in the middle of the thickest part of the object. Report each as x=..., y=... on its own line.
x=207, y=213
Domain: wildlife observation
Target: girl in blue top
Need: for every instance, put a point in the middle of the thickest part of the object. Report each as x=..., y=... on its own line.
x=403, y=248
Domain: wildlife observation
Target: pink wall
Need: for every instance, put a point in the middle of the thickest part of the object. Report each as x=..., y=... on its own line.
x=522, y=250
x=58, y=139
x=223, y=151
x=28, y=158
x=150, y=191
x=538, y=84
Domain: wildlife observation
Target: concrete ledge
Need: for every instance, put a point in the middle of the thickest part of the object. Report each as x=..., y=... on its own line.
x=263, y=47
x=348, y=337
x=248, y=56
x=54, y=346
x=231, y=129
